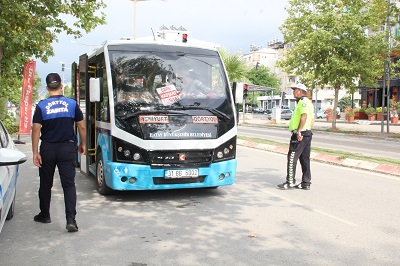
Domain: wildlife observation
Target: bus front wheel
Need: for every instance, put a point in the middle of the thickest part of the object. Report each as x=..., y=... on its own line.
x=102, y=187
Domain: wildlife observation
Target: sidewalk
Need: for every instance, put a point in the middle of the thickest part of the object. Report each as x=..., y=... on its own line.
x=373, y=127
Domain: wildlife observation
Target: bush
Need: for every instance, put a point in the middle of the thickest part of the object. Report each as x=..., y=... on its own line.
x=345, y=101
x=379, y=109
x=349, y=111
x=328, y=111
x=10, y=122
x=370, y=110
x=360, y=110
x=394, y=106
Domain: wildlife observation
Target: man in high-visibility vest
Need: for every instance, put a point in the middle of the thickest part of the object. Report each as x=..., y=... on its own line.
x=300, y=142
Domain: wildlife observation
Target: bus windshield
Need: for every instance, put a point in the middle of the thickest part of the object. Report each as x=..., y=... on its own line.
x=168, y=80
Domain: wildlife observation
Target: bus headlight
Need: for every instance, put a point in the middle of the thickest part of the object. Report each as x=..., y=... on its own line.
x=226, y=151
x=136, y=156
x=128, y=153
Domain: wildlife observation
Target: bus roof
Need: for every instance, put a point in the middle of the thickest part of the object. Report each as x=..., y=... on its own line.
x=192, y=43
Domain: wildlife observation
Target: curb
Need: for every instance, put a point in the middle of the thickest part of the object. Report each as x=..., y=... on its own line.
x=329, y=159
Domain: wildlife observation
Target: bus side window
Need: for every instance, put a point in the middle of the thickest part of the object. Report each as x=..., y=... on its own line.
x=105, y=104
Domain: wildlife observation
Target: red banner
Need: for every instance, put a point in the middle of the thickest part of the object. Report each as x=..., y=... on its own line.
x=25, y=106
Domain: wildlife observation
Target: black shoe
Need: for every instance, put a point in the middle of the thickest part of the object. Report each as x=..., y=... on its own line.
x=71, y=225
x=302, y=186
x=286, y=185
x=42, y=219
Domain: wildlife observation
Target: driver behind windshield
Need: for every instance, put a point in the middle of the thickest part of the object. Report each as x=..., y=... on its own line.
x=191, y=86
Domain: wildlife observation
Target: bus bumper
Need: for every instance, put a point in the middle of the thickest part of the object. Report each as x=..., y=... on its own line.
x=141, y=177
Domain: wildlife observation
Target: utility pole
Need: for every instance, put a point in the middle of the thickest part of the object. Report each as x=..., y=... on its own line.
x=386, y=74
x=134, y=17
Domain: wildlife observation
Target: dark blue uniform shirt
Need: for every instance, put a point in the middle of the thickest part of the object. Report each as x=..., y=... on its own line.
x=57, y=115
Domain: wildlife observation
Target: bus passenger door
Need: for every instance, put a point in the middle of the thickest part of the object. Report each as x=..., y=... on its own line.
x=95, y=110
x=83, y=101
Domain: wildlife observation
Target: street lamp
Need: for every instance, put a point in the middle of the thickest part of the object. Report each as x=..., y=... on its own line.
x=63, y=70
x=134, y=14
x=134, y=17
x=386, y=71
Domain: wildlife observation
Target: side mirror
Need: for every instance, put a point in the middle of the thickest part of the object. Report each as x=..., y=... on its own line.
x=95, y=89
x=11, y=157
x=237, y=91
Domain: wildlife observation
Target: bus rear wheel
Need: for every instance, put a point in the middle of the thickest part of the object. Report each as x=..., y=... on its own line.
x=102, y=187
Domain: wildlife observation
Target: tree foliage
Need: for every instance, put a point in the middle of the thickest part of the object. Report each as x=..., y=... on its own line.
x=29, y=28
x=331, y=45
x=9, y=119
x=345, y=102
x=263, y=77
x=37, y=84
x=237, y=69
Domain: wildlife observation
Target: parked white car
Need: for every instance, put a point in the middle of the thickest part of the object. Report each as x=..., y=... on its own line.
x=10, y=158
x=321, y=114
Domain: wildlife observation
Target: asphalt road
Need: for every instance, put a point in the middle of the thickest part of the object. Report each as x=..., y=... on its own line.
x=361, y=144
x=348, y=217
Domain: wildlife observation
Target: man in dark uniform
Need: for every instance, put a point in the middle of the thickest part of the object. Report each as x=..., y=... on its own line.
x=300, y=143
x=53, y=123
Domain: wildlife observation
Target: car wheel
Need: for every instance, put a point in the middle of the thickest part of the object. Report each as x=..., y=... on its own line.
x=102, y=187
x=10, y=213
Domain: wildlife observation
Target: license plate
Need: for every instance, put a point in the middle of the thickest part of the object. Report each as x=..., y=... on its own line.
x=182, y=173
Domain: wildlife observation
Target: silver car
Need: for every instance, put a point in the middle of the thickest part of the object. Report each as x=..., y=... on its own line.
x=286, y=114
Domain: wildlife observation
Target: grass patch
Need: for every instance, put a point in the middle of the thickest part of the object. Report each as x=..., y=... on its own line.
x=339, y=154
x=330, y=130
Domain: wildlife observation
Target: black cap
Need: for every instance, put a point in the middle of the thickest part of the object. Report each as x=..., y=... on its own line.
x=53, y=80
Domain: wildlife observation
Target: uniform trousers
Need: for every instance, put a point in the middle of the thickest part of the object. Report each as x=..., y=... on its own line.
x=299, y=150
x=64, y=156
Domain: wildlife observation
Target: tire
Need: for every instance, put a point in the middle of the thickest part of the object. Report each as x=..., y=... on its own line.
x=10, y=213
x=102, y=188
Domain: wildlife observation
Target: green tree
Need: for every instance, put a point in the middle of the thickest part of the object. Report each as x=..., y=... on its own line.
x=37, y=84
x=28, y=29
x=68, y=92
x=237, y=69
x=330, y=44
x=344, y=102
x=9, y=118
x=262, y=76
x=10, y=93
